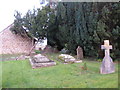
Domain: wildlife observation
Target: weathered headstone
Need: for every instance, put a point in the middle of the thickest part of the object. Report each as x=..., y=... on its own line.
x=68, y=58
x=79, y=53
x=39, y=60
x=107, y=63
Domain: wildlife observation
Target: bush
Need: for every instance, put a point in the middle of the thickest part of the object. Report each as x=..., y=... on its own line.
x=99, y=60
x=37, y=51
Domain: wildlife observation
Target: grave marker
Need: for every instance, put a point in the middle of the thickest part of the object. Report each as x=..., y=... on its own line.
x=39, y=61
x=107, y=63
x=79, y=53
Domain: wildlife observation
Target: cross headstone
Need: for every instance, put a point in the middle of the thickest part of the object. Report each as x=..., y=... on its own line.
x=107, y=63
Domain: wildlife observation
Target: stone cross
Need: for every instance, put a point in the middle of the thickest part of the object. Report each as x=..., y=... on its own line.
x=107, y=63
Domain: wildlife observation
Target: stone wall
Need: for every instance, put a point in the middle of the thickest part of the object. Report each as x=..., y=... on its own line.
x=13, y=44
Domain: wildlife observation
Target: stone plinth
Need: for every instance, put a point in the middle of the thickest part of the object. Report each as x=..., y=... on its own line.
x=107, y=66
x=39, y=61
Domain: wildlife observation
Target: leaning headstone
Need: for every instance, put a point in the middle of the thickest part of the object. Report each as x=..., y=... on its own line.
x=39, y=60
x=79, y=53
x=68, y=59
x=107, y=63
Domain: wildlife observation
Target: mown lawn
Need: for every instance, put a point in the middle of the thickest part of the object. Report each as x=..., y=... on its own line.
x=19, y=74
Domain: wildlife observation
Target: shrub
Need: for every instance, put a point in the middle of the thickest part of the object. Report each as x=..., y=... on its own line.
x=37, y=51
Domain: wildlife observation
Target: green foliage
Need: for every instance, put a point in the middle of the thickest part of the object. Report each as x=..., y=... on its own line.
x=99, y=60
x=35, y=23
x=87, y=25
x=18, y=25
x=37, y=51
x=85, y=66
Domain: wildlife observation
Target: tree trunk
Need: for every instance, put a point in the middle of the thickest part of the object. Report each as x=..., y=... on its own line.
x=32, y=48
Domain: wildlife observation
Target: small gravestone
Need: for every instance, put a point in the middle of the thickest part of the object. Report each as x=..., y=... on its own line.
x=107, y=63
x=68, y=59
x=79, y=53
x=39, y=60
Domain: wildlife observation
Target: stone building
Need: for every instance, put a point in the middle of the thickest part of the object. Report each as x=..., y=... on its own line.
x=13, y=44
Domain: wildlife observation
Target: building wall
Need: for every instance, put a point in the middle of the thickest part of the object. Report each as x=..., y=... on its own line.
x=13, y=44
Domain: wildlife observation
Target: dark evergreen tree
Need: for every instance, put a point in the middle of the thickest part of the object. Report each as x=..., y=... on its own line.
x=88, y=25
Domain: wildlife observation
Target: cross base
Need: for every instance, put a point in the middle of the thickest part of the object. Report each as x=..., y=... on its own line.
x=107, y=66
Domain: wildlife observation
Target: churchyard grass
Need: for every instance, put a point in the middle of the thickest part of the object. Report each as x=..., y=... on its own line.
x=19, y=74
x=5, y=57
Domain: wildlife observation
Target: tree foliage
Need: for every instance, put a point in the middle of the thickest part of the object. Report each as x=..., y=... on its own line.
x=88, y=25
x=85, y=24
x=35, y=23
